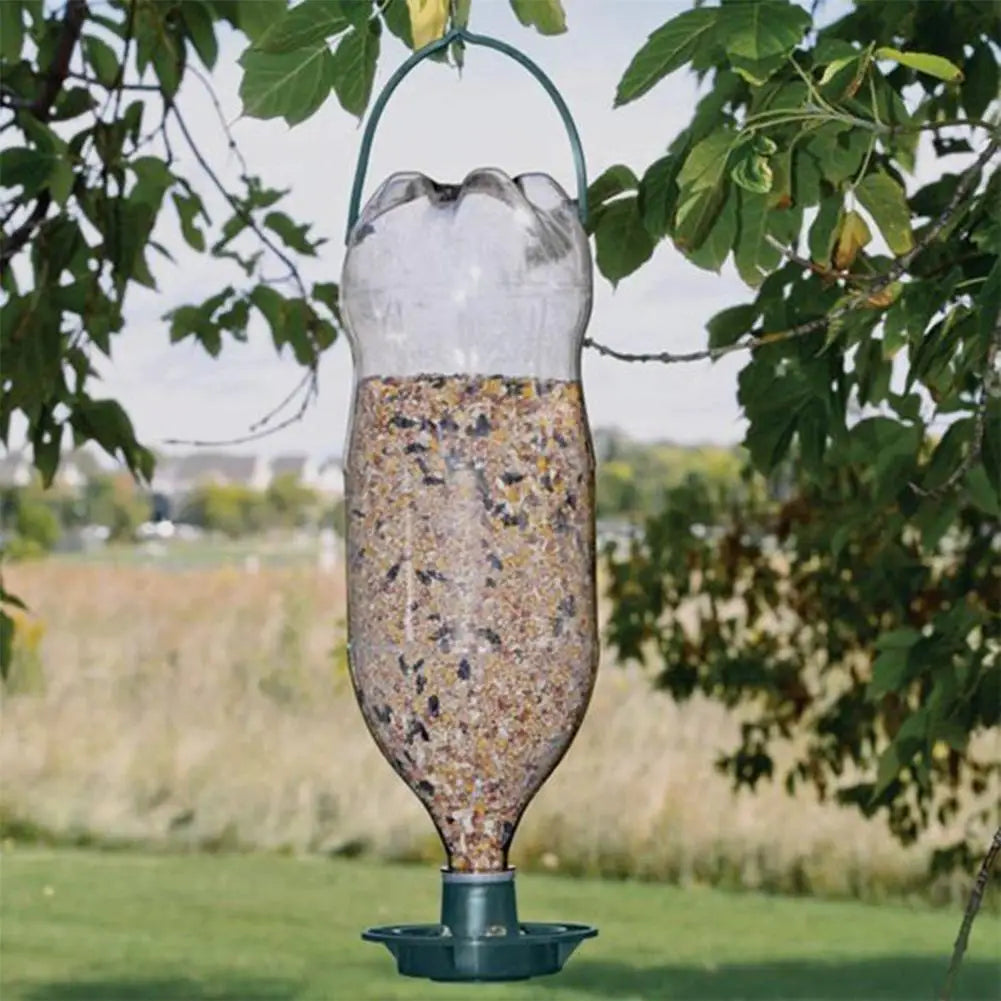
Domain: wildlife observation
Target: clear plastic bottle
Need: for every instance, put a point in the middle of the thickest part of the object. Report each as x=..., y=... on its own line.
x=470, y=528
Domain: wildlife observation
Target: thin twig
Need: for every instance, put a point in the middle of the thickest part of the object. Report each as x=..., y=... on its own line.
x=234, y=204
x=116, y=85
x=255, y=436
x=272, y=414
x=311, y=380
x=807, y=265
x=230, y=139
x=969, y=915
x=712, y=354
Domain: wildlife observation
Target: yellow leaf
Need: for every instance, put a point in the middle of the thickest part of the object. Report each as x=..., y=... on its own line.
x=885, y=297
x=427, y=20
x=852, y=237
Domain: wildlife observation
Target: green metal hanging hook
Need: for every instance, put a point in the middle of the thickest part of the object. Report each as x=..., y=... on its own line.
x=462, y=36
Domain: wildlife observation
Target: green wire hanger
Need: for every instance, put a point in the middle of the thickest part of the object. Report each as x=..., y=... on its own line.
x=461, y=35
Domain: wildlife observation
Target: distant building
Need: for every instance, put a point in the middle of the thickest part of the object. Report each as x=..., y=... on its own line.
x=75, y=469
x=15, y=469
x=301, y=467
x=330, y=477
x=177, y=475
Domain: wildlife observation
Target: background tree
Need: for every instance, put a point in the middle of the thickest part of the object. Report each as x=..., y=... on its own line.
x=868, y=639
x=872, y=325
x=114, y=501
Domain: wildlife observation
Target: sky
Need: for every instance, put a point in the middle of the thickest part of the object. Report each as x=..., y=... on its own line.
x=444, y=125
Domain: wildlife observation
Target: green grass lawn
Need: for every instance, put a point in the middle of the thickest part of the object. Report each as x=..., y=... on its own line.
x=127, y=927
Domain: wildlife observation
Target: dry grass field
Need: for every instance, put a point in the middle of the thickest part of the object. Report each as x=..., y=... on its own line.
x=211, y=708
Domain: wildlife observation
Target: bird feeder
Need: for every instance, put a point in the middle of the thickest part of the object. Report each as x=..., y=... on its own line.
x=473, y=643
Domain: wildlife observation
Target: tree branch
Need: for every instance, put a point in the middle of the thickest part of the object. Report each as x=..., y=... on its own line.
x=976, y=896
x=10, y=245
x=214, y=98
x=73, y=18
x=41, y=108
x=899, y=266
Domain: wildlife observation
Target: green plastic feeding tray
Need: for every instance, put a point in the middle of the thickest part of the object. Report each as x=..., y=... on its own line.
x=480, y=937
x=472, y=611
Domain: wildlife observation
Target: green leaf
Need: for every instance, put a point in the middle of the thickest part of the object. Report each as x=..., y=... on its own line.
x=11, y=31
x=396, y=17
x=989, y=302
x=71, y=103
x=304, y=25
x=272, y=307
x=61, y=181
x=462, y=11
x=189, y=207
x=46, y=445
x=754, y=256
x=713, y=250
x=658, y=195
x=898, y=639
x=705, y=166
x=838, y=150
x=761, y=30
x=667, y=49
x=356, y=11
x=696, y=216
x=889, y=671
x=201, y=30
x=981, y=85
x=887, y=771
x=189, y=321
x=623, y=242
x=153, y=178
x=758, y=71
x=105, y=422
x=102, y=59
x=26, y=168
x=292, y=235
x=824, y=230
x=352, y=69
x=923, y=62
x=168, y=63
x=546, y=16
x=983, y=495
x=235, y=319
x=729, y=325
x=752, y=172
x=148, y=28
x=6, y=630
x=835, y=66
x=329, y=294
x=255, y=17
x=289, y=85
x=912, y=735
x=886, y=202
x=617, y=180
x=991, y=448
